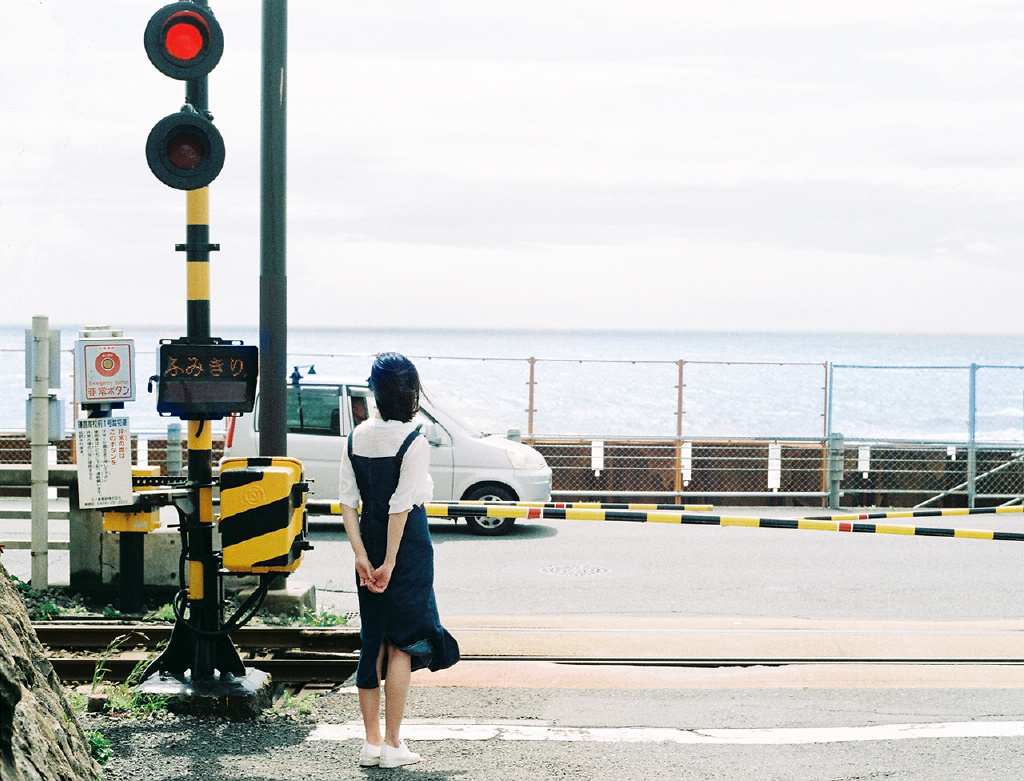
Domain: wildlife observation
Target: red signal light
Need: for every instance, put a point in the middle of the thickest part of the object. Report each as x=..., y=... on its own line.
x=184, y=40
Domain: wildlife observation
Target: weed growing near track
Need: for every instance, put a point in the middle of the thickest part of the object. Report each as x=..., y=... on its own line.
x=99, y=747
x=49, y=604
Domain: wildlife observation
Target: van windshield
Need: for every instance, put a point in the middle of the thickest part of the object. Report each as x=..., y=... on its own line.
x=449, y=420
x=313, y=410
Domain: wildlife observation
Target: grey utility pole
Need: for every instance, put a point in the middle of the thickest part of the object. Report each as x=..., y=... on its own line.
x=273, y=277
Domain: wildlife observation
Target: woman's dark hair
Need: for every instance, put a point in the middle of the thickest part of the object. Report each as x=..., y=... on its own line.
x=396, y=387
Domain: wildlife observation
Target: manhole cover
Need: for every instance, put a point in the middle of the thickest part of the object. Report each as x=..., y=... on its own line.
x=573, y=570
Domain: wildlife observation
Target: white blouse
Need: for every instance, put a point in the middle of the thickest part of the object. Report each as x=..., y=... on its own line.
x=377, y=438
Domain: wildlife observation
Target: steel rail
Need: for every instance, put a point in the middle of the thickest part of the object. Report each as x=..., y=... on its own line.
x=283, y=670
x=305, y=655
x=57, y=634
x=298, y=670
x=738, y=661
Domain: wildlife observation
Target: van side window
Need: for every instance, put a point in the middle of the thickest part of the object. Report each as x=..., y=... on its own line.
x=313, y=411
x=361, y=403
x=359, y=410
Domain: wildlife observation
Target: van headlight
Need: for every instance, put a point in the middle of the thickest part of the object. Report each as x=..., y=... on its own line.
x=526, y=458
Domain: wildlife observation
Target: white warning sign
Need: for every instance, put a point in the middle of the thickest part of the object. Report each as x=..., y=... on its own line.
x=104, y=447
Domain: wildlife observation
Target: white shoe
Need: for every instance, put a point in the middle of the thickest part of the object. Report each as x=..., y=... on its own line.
x=396, y=757
x=370, y=755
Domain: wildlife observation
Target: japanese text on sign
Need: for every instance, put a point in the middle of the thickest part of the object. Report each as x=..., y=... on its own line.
x=104, y=462
x=210, y=367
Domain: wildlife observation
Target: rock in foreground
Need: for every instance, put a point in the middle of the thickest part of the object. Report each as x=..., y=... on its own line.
x=40, y=738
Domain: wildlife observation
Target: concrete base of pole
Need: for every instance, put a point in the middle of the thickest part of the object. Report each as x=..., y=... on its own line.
x=162, y=549
x=291, y=600
x=225, y=696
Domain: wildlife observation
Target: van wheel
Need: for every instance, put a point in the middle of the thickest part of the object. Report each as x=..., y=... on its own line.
x=490, y=527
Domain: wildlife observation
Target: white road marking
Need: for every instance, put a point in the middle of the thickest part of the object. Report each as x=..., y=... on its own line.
x=778, y=736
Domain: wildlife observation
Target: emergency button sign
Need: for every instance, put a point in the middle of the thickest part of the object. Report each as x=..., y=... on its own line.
x=108, y=364
x=104, y=371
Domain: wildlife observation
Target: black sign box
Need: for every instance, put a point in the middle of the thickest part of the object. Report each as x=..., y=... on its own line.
x=206, y=381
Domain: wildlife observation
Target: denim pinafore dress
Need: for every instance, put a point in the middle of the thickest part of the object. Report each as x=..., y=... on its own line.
x=406, y=613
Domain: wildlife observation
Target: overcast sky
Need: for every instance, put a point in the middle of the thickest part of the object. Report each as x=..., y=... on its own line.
x=676, y=164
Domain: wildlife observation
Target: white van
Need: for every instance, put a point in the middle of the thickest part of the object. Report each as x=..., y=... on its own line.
x=464, y=465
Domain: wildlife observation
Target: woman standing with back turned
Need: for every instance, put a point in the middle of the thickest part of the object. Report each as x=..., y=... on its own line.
x=386, y=467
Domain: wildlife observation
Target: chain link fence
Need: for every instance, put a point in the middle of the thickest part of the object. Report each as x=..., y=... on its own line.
x=686, y=471
x=930, y=474
x=649, y=430
x=772, y=472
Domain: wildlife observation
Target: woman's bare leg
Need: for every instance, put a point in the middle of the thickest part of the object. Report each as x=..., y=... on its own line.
x=369, y=705
x=396, y=692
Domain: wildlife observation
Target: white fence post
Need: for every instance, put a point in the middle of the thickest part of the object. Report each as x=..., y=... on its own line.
x=39, y=440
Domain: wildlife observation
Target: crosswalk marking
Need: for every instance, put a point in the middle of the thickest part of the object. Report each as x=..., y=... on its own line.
x=731, y=736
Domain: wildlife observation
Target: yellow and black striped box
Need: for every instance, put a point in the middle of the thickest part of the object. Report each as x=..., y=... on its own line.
x=262, y=514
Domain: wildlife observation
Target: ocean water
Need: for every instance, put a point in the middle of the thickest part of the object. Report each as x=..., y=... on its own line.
x=627, y=383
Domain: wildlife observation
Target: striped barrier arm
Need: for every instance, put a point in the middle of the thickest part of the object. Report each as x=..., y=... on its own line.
x=919, y=513
x=479, y=510
x=509, y=508
x=436, y=509
x=595, y=506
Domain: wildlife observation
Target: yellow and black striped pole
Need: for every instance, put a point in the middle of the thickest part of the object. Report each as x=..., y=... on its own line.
x=212, y=651
x=204, y=612
x=199, y=642
x=197, y=262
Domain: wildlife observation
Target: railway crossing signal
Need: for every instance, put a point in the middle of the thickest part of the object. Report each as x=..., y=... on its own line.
x=201, y=378
x=184, y=41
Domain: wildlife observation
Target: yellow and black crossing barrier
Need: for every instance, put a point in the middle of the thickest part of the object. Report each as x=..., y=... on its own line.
x=435, y=509
x=549, y=512
x=597, y=506
x=599, y=513
x=835, y=525
x=333, y=508
x=919, y=513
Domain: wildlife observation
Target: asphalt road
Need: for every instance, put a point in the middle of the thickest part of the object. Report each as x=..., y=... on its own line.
x=667, y=570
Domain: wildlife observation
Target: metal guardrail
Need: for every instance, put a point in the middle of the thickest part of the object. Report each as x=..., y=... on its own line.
x=83, y=525
x=9, y=514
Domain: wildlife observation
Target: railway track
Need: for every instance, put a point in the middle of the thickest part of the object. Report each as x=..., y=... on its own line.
x=291, y=654
x=304, y=655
